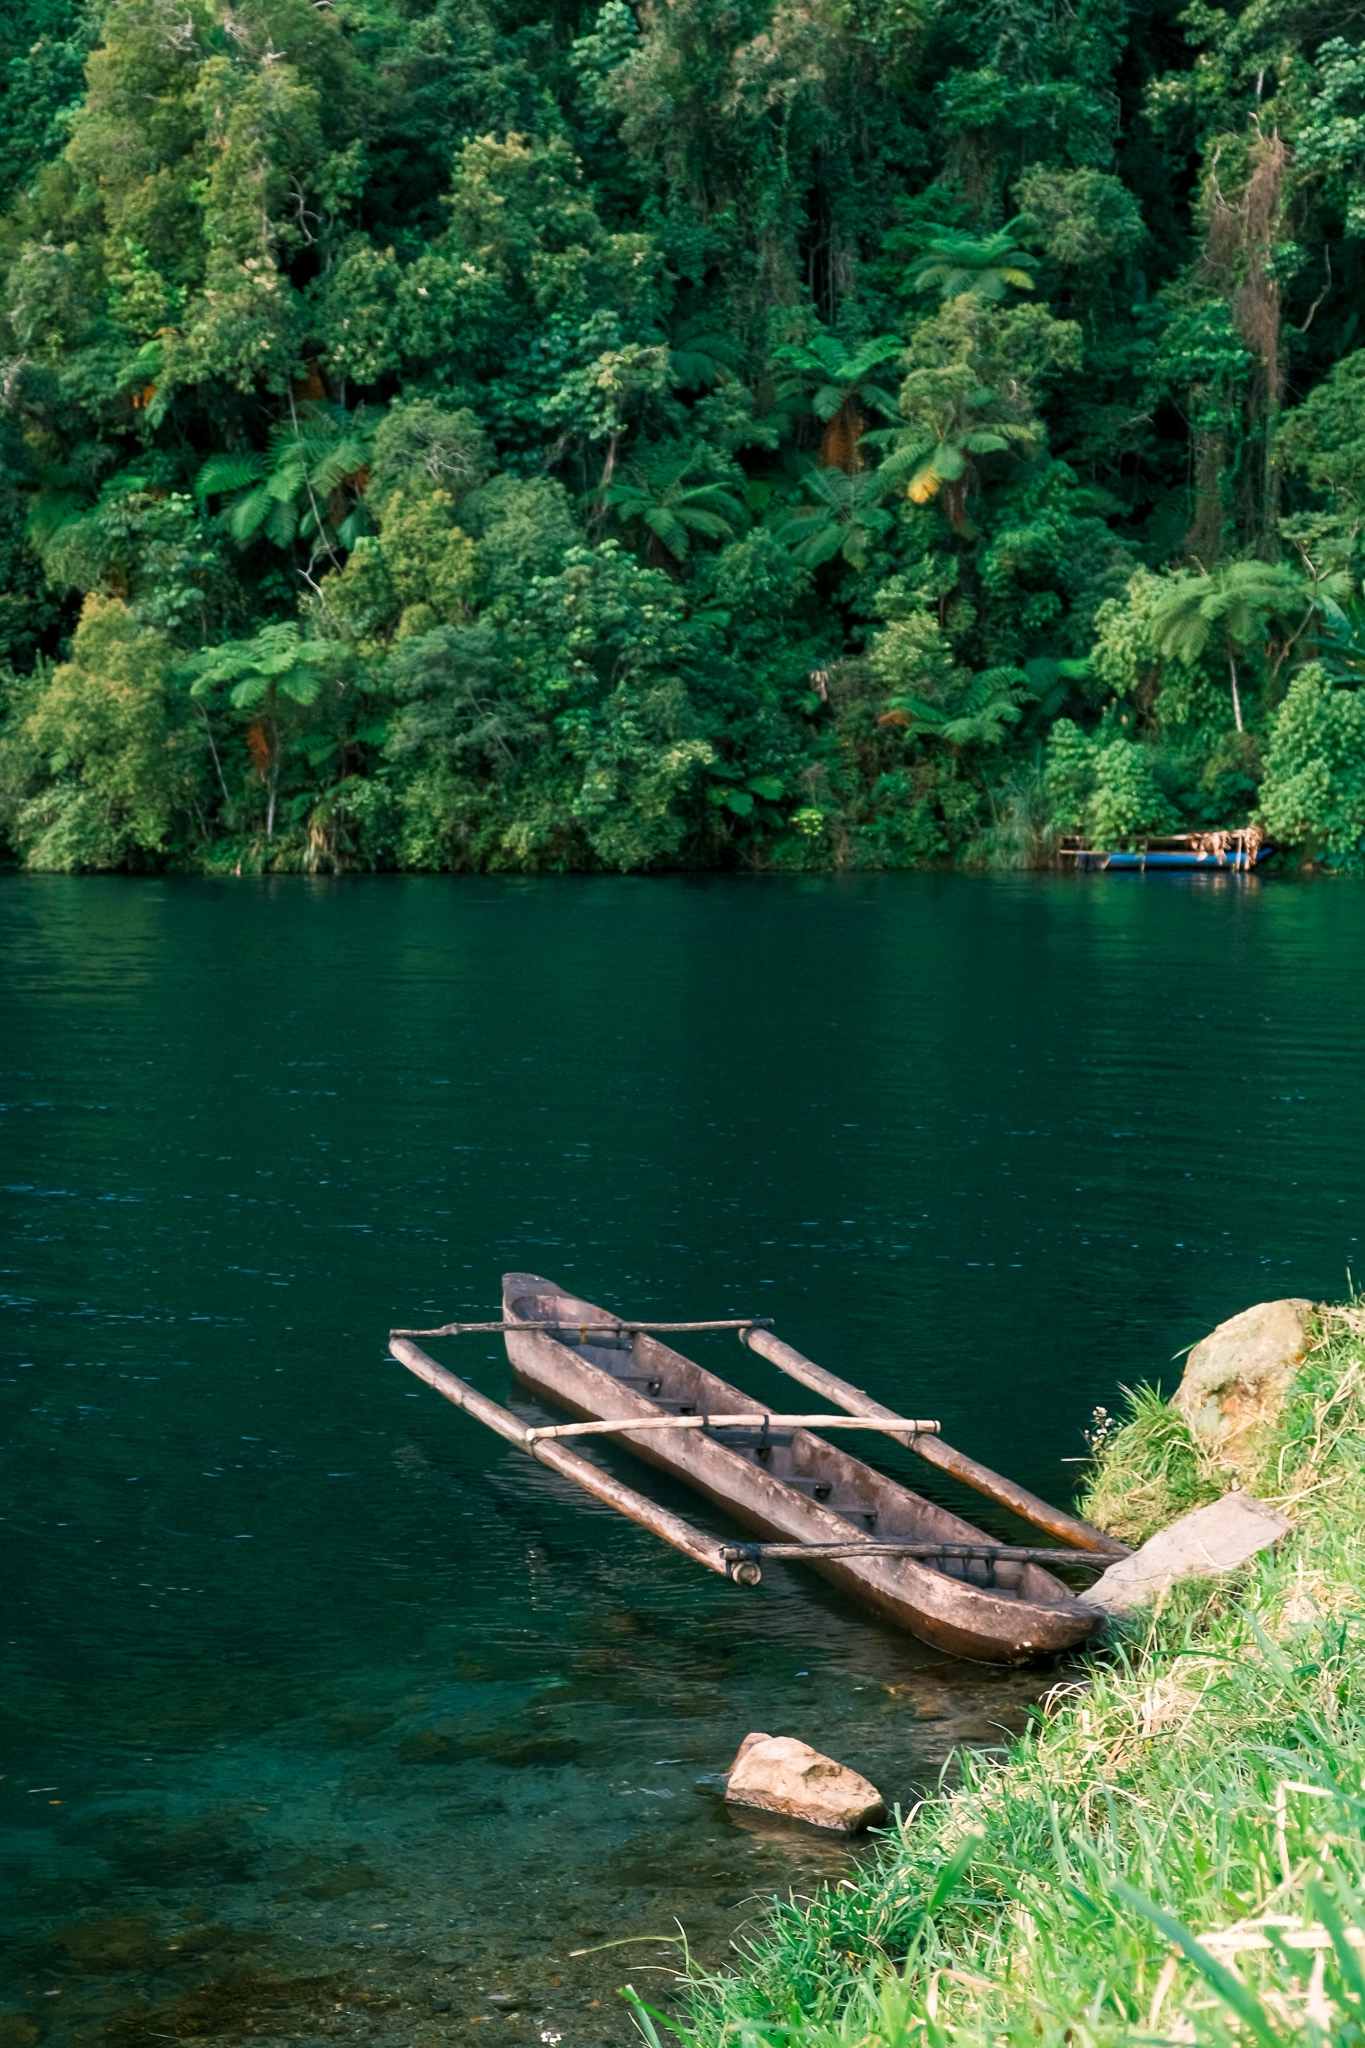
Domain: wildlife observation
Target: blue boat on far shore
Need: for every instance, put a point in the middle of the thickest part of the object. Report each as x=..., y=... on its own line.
x=1231, y=851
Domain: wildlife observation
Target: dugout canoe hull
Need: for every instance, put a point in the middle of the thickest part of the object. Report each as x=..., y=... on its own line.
x=793, y=1488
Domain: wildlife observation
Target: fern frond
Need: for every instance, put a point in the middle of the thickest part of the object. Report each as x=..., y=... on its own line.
x=228, y=473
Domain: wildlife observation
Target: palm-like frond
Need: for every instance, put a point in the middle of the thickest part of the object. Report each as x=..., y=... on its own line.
x=1339, y=641
x=284, y=492
x=920, y=464
x=332, y=465
x=870, y=355
x=987, y=710
x=702, y=520
x=835, y=375
x=281, y=523
x=658, y=495
x=229, y=473
x=668, y=528
x=944, y=466
x=980, y=715
x=713, y=501
x=812, y=535
x=845, y=517
x=698, y=356
x=248, y=513
x=827, y=399
x=953, y=263
x=1241, y=598
x=276, y=658
x=58, y=500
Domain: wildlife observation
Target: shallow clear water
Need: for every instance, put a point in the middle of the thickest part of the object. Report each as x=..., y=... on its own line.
x=323, y=1710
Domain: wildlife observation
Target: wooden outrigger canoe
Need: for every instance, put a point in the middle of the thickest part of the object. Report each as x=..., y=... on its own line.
x=791, y=1487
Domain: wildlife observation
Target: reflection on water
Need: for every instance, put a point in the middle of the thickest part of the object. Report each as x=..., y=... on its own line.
x=326, y=1715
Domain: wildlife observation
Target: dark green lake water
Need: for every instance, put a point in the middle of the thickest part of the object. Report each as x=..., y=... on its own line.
x=322, y=1710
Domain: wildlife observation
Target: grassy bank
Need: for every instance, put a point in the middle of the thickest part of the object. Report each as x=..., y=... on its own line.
x=1174, y=1852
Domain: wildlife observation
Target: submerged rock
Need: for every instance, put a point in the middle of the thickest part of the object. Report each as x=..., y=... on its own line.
x=1214, y=1539
x=781, y=1775
x=1236, y=1377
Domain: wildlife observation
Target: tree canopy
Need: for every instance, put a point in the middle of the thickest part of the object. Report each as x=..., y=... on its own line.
x=547, y=435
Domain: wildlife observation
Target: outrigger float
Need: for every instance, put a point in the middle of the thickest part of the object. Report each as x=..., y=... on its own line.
x=924, y=1568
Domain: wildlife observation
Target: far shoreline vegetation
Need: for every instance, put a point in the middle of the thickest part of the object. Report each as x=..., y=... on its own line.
x=785, y=435
x=1173, y=1852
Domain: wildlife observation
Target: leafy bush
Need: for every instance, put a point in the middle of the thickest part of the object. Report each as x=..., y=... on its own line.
x=94, y=760
x=1313, y=794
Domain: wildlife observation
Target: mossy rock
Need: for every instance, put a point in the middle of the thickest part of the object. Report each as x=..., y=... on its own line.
x=1237, y=1378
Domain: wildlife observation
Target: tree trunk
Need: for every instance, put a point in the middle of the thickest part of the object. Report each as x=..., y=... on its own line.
x=1204, y=541
x=1241, y=241
x=1236, y=698
x=275, y=767
x=839, y=442
x=213, y=749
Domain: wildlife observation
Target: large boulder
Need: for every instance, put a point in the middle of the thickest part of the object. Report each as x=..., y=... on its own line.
x=1219, y=1538
x=781, y=1775
x=1235, y=1379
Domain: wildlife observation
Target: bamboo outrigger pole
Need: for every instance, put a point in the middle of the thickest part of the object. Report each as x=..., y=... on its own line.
x=1068, y=1529
x=693, y=1543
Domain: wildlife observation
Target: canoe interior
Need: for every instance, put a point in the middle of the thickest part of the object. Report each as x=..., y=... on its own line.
x=791, y=1485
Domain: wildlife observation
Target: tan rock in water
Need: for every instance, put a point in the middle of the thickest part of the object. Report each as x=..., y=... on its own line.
x=781, y=1775
x=1219, y=1538
x=1235, y=1379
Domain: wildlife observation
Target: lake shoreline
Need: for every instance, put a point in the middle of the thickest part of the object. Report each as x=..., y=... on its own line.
x=1173, y=1848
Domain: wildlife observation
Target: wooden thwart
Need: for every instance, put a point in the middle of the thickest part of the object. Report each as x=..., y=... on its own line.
x=614, y=1328
x=746, y=1421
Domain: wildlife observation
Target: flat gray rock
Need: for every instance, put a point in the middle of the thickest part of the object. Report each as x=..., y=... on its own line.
x=1216, y=1539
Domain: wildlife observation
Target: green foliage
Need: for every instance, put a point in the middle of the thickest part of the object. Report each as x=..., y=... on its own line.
x=969, y=393
x=1150, y=1470
x=1238, y=601
x=43, y=47
x=845, y=516
x=1323, y=441
x=420, y=442
x=1331, y=137
x=92, y=765
x=728, y=437
x=836, y=376
x=276, y=659
x=1313, y=794
x=1086, y=220
x=662, y=493
x=986, y=266
x=933, y=694
x=1105, y=787
x=303, y=487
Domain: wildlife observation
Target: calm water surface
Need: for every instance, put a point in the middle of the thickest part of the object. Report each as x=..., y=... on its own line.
x=327, y=1717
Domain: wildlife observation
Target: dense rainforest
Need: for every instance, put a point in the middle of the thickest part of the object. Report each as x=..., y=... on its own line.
x=541, y=435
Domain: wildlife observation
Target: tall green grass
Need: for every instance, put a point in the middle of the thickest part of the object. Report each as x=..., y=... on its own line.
x=1173, y=1853
x=1148, y=1472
